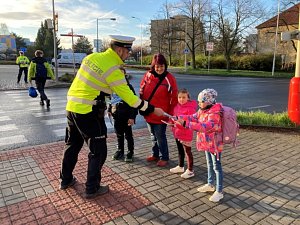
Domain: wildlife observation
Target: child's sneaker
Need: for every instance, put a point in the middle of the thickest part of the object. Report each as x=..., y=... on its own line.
x=177, y=169
x=187, y=174
x=48, y=103
x=216, y=197
x=206, y=188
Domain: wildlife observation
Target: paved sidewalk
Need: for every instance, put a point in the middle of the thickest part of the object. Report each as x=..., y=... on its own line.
x=261, y=179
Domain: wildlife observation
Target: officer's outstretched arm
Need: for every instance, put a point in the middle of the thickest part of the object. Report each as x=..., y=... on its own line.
x=158, y=112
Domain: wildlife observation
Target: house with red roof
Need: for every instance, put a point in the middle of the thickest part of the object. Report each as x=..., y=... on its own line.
x=266, y=34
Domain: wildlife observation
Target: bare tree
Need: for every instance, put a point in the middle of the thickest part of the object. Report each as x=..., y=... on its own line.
x=192, y=25
x=232, y=19
x=157, y=35
x=167, y=27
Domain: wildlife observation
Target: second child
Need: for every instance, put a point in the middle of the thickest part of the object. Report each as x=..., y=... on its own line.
x=124, y=118
x=184, y=136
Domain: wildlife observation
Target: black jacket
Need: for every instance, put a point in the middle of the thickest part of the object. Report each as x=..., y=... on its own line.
x=121, y=110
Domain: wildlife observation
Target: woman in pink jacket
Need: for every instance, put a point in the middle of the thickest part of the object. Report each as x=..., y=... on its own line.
x=184, y=136
x=207, y=123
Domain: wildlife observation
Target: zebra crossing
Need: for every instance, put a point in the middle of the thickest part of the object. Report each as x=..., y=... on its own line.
x=24, y=122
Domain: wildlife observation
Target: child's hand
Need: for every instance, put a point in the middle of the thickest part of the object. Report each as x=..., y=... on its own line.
x=179, y=121
x=130, y=122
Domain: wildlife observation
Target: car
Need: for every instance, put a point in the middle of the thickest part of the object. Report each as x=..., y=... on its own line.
x=64, y=59
x=2, y=56
x=11, y=57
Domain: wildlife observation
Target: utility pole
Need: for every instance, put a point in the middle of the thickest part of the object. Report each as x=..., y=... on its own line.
x=185, y=48
x=276, y=34
x=55, y=28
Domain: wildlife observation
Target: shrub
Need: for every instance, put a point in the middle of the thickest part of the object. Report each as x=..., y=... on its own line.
x=201, y=61
x=67, y=78
x=218, y=62
x=261, y=62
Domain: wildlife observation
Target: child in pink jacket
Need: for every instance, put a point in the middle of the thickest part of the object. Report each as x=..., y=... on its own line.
x=184, y=136
x=207, y=122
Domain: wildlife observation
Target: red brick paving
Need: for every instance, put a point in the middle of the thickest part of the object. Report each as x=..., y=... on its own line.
x=70, y=206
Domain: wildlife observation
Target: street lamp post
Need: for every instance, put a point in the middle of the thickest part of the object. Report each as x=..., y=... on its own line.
x=54, y=42
x=276, y=34
x=141, y=55
x=102, y=18
x=185, y=48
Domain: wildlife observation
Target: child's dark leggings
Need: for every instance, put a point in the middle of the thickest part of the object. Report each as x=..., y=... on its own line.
x=182, y=151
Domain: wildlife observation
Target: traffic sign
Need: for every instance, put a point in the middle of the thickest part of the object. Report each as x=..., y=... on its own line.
x=209, y=46
x=23, y=49
x=186, y=51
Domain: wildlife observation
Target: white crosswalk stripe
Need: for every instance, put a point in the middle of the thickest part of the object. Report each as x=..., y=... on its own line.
x=60, y=132
x=8, y=127
x=13, y=140
x=5, y=118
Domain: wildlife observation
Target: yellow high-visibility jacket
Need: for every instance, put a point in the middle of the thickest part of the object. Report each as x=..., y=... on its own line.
x=100, y=72
x=22, y=61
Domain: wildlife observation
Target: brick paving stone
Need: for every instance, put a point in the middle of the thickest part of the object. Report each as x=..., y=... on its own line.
x=258, y=189
x=167, y=217
x=174, y=221
x=198, y=219
x=268, y=221
x=227, y=222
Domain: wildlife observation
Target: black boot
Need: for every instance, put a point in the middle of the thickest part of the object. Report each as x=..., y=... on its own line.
x=118, y=155
x=129, y=156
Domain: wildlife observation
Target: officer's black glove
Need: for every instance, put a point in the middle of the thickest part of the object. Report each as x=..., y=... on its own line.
x=149, y=110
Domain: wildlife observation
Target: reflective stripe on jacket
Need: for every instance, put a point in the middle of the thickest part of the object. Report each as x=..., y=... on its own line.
x=99, y=72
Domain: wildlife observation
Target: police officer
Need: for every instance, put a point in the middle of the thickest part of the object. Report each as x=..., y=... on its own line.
x=99, y=75
x=23, y=63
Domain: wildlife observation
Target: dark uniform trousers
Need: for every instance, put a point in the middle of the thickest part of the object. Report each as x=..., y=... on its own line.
x=91, y=129
x=121, y=127
x=21, y=69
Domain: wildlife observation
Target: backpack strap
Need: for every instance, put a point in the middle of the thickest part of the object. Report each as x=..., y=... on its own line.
x=154, y=90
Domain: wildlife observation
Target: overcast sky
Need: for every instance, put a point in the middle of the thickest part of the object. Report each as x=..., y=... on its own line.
x=24, y=17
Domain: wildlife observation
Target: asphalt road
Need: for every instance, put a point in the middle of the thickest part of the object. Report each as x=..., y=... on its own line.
x=23, y=122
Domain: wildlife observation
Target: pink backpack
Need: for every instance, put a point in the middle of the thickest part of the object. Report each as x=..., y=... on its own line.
x=230, y=126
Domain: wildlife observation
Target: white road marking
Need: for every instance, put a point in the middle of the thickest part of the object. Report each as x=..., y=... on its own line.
x=5, y=118
x=50, y=113
x=60, y=132
x=257, y=107
x=8, y=127
x=55, y=121
x=13, y=140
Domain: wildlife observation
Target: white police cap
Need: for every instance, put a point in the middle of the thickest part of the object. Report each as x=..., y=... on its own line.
x=122, y=41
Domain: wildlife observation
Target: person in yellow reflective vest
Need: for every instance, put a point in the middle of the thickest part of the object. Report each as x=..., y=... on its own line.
x=98, y=76
x=23, y=63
